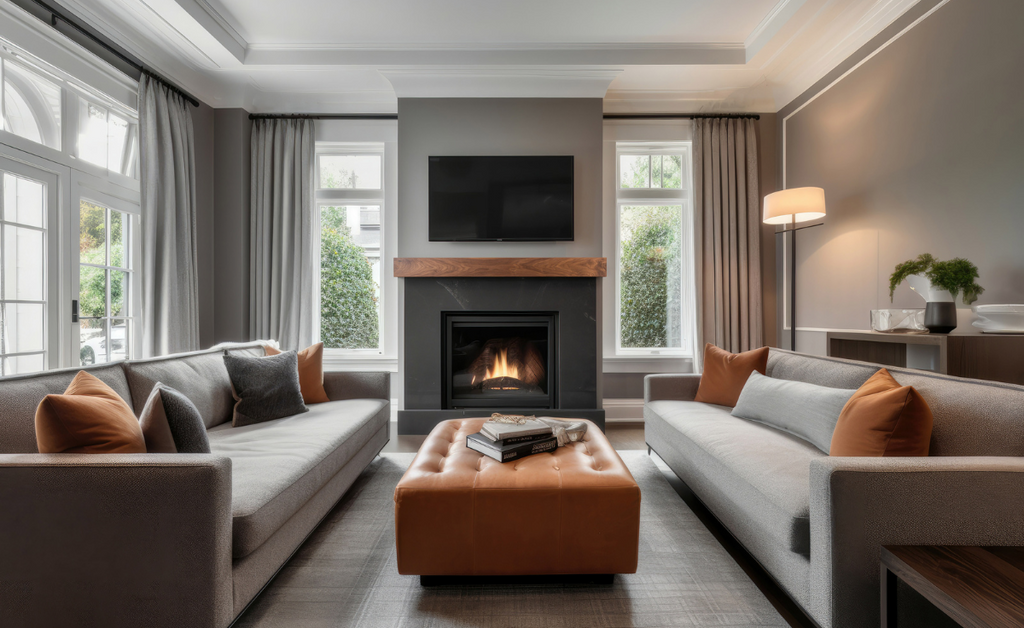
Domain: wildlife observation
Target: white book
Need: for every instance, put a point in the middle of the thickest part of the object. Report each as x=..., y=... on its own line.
x=501, y=431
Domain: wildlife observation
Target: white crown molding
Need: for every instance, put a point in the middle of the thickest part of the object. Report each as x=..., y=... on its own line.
x=772, y=23
x=31, y=36
x=198, y=45
x=796, y=77
x=499, y=82
x=514, y=54
x=210, y=20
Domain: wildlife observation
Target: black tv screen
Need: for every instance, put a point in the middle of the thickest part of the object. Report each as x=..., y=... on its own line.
x=475, y=199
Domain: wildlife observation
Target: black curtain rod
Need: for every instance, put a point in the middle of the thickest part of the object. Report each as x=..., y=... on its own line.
x=323, y=116
x=56, y=16
x=677, y=116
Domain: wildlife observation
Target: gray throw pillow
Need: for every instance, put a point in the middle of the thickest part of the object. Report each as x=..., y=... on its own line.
x=171, y=423
x=265, y=388
x=805, y=410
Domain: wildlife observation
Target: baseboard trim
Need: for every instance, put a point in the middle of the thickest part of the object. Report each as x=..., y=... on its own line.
x=623, y=410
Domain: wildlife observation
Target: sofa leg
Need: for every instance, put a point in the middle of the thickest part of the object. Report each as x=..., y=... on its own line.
x=648, y=450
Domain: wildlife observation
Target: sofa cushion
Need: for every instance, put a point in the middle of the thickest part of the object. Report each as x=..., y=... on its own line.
x=265, y=388
x=20, y=396
x=311, y=372
x=726, y=373
x=802, y=409
x=278, y=465
x=199, y=376
x=171, y=424
x=762, y=472
x=883, y=419
x=88, y=418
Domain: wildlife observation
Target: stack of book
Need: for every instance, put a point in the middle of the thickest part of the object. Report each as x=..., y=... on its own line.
x=511, y=441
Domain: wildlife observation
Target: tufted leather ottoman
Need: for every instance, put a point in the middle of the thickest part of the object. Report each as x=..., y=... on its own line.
x=572, y=511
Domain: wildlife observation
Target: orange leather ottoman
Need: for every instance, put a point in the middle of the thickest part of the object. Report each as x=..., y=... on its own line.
x=575, y=510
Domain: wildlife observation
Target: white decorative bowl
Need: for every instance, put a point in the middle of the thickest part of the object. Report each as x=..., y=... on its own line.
x=899, y=321
x=1001, y=318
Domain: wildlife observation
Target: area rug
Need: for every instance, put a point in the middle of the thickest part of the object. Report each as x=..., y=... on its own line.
x=346, y=575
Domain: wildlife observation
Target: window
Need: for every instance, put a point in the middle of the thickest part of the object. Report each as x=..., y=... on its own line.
x=350, y=197
x=27, y=207
x=654, y=282
x=107, y=138
x=31, y=105
x=104, y=284
x=69, y=211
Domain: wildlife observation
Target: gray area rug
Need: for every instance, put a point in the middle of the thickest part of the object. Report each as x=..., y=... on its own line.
x=346, y=574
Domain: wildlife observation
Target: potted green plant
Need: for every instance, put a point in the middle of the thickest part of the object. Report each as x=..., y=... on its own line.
x=939, y=283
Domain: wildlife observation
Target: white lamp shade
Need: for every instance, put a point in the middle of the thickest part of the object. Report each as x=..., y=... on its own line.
x=794, y=205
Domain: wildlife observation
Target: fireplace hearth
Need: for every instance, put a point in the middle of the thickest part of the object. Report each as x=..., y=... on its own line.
x=501, y=359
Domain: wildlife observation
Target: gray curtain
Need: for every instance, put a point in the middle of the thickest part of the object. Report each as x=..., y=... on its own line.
x=170, y=280
x=727, y=235
x=281, y=232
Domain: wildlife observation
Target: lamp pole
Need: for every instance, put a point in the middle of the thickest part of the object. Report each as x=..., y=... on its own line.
x=792, y=278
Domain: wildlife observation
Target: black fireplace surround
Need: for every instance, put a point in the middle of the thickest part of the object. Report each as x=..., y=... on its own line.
x=473, y=346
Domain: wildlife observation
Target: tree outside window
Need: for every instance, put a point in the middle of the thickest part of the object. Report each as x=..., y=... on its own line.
x=350, y=250
x=654, y=293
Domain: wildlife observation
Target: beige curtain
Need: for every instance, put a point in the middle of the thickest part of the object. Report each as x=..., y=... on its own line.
x=281, y=231
x=727, y=234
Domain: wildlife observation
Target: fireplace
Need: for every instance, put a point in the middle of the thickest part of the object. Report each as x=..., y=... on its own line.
x=500, y=342
x=500, y=359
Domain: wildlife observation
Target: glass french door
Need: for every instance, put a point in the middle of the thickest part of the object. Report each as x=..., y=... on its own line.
x=29, y=257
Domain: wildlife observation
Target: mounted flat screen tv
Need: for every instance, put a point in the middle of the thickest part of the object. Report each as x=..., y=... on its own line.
x=495, y=199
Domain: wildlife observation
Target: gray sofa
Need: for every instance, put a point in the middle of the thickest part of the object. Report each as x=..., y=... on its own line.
x=171, y=539
x=814, y=522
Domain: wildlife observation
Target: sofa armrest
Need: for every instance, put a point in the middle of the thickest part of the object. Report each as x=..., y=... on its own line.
x=674, y=387
x=115, y=540
x=357, y=385
x=859, y=504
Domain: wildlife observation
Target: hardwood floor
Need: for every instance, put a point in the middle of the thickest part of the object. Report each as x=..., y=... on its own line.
x=622, y=436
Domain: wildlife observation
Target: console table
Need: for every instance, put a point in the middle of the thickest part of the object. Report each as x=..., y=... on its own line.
x=974, y=586
x=993, y=357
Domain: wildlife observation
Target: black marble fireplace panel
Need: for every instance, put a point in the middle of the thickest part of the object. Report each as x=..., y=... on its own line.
x=568, y=303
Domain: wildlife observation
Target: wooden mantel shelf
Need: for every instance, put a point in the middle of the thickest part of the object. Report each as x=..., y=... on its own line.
x=501, y=267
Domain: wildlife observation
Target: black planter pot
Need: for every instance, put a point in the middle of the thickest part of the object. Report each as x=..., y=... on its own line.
x=940, y=317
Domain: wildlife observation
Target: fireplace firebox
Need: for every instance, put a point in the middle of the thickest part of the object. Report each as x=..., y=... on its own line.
x=500, y=359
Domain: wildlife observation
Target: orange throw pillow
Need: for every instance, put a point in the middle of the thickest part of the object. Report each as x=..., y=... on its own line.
x=883, y=419
x=725, y=374
x=311, y=372
x=89, y=418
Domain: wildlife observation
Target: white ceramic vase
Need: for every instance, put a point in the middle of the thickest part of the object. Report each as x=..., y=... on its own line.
x=923, y=286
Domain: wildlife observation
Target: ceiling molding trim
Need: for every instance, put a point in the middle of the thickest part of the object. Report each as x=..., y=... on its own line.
x=211, y=21
x=498, y=54
x=831, y=52
x=33, y=38
x=505, y=82
x=772, y=23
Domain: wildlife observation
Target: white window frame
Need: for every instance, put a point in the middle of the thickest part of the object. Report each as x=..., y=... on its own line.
x=646, y=138
x=339, y=137
x=113, y=197
x=28, y=41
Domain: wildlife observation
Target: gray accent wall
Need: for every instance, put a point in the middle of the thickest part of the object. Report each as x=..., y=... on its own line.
x=203, y=127
x=920, y=149
x=231, y=224
x=498, y=126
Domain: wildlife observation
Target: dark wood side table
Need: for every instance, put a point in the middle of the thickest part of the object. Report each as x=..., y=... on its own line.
x=975, y=586
x=964, y=353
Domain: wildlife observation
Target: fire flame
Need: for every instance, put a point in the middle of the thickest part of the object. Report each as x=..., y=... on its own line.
x=502, y=368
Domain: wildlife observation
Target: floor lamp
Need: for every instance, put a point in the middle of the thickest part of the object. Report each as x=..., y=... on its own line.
x=791, y=207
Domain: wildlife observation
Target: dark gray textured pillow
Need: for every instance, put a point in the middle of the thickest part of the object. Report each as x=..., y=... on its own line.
x=264, y=388
x=805, y=410
x=171, y=423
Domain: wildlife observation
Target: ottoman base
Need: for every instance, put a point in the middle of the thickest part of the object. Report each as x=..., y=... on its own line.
x=460, y=581
x=574, y=510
